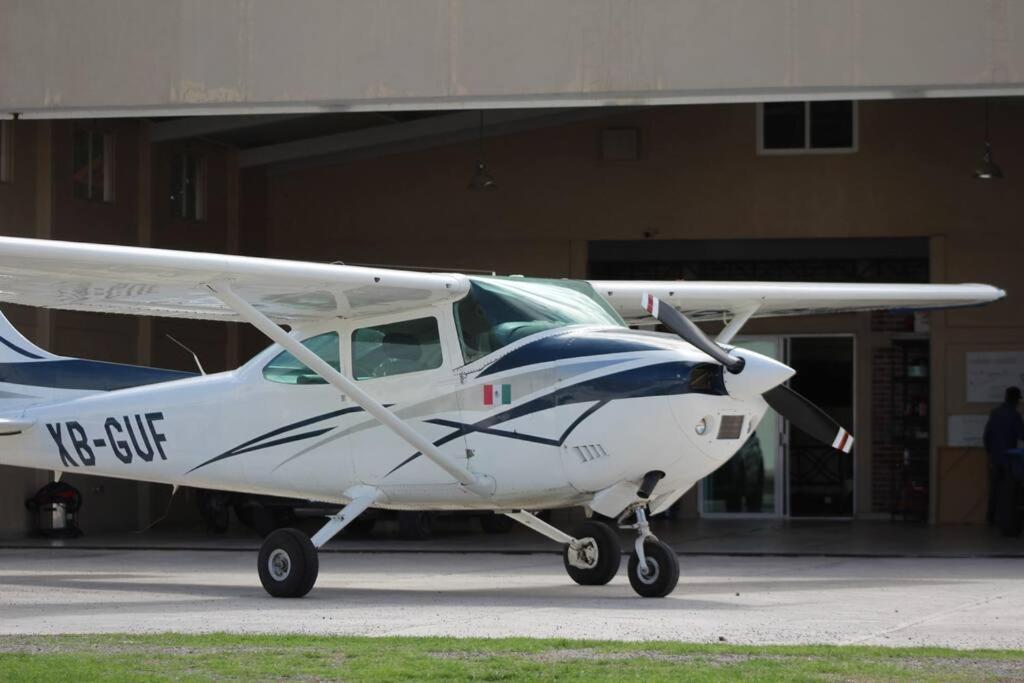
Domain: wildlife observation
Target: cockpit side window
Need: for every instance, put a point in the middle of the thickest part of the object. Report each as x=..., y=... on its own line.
x=285, y=368
x=396, y=348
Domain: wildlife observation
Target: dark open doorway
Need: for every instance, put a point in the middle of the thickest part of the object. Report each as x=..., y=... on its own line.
x=821, y=479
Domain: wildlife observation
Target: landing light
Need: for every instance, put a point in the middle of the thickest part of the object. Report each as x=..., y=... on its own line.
x=701, y=427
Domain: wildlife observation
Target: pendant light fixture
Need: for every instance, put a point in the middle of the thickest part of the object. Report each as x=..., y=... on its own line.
x=987, y=169
x=482, y=179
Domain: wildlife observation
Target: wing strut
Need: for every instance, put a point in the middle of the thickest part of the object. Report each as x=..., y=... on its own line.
x=481, y=485
x=736, y=324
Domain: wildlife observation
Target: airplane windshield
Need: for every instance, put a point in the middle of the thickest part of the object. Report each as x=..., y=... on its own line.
x=497, y=312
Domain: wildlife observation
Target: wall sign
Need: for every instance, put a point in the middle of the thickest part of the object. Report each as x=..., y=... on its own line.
x=965, y=431
x=990, y=372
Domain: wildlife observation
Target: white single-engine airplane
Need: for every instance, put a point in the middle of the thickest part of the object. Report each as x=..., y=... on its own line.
x=406, y=390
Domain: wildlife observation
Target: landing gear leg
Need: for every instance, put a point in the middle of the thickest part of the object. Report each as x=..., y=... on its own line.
x=288, y=563
x=653, y=566
x=591, y=555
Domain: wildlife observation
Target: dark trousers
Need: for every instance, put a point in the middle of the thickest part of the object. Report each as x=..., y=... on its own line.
x=995, y=475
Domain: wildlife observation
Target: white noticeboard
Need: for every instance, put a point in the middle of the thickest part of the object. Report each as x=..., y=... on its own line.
x=966, y=431
x=990, y=372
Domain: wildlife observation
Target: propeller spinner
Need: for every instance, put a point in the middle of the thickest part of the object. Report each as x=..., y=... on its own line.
x=798, y=410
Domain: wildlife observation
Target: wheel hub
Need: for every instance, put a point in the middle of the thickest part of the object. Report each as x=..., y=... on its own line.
x=279, y=564
x=649, y=571
x=584, y=555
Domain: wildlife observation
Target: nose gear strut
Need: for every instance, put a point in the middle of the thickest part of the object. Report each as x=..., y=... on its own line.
x=653, y=566
x=642, y=528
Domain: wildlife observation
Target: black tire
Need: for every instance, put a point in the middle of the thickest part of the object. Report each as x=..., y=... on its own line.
x=1007, y=507
x=663, y=571
x=415, y=525
x=609, y=554
x=493, y=523
x=288, y=564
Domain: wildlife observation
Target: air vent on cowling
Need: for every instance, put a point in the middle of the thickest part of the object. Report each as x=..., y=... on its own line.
x=731, y=427
x=590, y=452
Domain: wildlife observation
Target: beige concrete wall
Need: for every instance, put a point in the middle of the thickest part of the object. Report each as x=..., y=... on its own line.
x=192, y=55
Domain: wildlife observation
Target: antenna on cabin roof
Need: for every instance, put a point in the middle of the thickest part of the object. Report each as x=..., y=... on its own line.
x=194, y=356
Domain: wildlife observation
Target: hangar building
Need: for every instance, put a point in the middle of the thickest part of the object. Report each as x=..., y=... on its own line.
x=757, y=140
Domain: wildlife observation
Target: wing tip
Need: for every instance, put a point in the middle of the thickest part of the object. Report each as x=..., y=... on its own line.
x=650, y=303
x=843, y=441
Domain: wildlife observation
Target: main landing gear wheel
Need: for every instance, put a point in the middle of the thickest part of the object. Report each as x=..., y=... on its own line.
x=288, y=564
x=595, y=560
x=660, y=573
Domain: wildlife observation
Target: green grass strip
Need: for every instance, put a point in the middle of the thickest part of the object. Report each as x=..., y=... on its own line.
x=220, y=657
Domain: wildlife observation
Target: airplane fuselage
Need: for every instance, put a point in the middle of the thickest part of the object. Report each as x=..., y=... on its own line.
x=553, y=419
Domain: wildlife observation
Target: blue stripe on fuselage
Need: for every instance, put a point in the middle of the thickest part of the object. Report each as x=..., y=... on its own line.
x=75, y=373
x=578, y=344
x=659, y=379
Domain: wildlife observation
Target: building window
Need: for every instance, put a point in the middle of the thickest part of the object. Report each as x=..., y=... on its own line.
x=806, y=127
x=94, y=165
x=188, y=187
x=6, y=151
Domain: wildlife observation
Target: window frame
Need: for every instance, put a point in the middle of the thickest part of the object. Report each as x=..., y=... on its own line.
x=269, y=357
x=348, y=348
x=491, y=282
x=179, y=209
x=807, y=149
x=109, y=194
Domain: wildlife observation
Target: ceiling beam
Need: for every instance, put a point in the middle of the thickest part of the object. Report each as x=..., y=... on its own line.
x=633, y=99
x=202, y=126
x=412, y=135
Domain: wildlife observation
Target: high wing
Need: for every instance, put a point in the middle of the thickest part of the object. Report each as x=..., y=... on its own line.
x=704, y=300
x=141, y=281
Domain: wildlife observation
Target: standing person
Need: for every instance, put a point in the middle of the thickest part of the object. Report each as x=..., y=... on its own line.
x=1004, y=429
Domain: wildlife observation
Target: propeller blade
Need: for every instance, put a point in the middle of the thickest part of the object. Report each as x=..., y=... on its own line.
x=808, y=417
x=685, y=328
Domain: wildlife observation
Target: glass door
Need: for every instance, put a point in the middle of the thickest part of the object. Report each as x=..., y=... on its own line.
x=749, y=483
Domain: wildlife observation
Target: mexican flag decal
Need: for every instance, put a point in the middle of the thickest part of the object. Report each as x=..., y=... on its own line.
x=497, y=394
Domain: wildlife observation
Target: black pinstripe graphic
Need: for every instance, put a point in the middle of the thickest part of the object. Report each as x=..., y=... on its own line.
x=260, y=442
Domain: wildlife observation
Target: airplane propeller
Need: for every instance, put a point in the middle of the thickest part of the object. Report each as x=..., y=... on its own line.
x=685, y=328
x=808, y=417
x=800, y=412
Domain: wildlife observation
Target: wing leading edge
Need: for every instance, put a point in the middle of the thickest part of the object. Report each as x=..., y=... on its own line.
x=141, y=281
x=722, y=300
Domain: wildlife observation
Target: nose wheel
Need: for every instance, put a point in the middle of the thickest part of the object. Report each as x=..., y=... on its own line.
x=592, y=555
x=657, y=574
x=653, y=566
